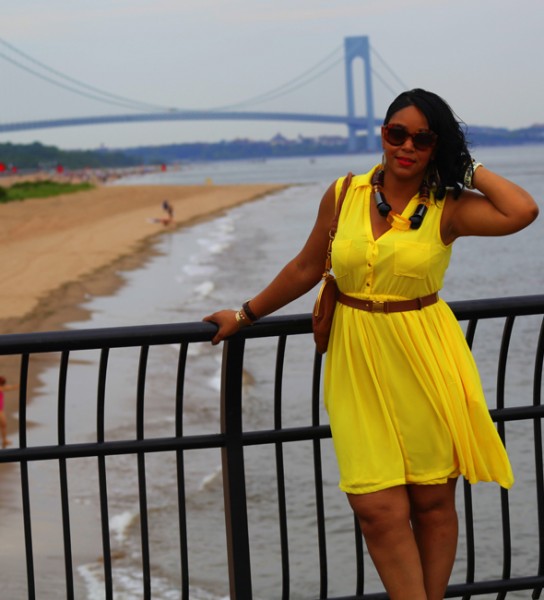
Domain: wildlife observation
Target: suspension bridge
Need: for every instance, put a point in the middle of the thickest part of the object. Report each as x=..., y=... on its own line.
x=354, y=48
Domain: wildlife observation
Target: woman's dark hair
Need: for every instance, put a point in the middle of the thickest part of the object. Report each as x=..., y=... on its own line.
x=452, y=157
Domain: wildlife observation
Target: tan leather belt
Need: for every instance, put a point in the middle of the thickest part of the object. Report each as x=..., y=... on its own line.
x=389, y=306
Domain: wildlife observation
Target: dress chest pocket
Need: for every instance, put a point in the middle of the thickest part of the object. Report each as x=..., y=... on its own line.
x=412, y=259
x=341, y=252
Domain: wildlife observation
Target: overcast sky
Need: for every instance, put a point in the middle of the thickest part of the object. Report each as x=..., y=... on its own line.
x=485, y=57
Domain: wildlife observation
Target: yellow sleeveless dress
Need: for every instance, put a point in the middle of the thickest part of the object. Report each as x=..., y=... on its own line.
x=402, y=390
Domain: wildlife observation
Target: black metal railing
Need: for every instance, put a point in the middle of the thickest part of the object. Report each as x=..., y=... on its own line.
x=235, y=441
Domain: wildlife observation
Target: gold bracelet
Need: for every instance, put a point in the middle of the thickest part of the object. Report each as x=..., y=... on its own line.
x=241, y=319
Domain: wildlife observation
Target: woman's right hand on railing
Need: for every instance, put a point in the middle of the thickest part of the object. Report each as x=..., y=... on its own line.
x=226, y=322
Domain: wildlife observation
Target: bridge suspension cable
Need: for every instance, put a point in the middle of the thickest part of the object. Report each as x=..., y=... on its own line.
x=95, y=93
x=388, y=68
x=108, y=97
x=293, y=84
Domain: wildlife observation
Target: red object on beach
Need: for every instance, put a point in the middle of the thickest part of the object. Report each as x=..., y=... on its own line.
x=60, y=169
x=163, y=167
x=2, y=167
x=14, y=169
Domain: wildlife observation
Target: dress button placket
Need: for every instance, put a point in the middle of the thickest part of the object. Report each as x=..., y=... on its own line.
x=371, y=253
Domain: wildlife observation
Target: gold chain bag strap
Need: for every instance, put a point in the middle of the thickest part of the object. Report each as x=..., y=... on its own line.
x=328, y=292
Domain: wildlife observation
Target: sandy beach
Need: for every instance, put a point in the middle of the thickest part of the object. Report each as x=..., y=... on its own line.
x=58, y=250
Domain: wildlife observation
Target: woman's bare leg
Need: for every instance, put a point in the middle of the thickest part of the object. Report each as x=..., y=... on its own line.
x=384, y=518
x=435, y=525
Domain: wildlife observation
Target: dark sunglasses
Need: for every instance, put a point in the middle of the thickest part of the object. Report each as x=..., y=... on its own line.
x=396, y=135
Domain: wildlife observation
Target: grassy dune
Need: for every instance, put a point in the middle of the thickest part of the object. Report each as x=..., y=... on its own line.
x=40, y=189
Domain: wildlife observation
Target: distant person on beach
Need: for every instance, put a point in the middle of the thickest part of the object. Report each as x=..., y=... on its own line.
x=405, y=402
x=4, y=387
x=169, y=210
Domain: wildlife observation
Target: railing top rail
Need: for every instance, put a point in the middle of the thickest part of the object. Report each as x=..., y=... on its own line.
x=490, y=308
x=119, y=337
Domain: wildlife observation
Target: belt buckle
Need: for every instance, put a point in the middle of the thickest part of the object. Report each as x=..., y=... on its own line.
x=378, y=306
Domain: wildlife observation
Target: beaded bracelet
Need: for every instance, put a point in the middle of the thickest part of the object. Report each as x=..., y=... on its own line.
x=469, y=174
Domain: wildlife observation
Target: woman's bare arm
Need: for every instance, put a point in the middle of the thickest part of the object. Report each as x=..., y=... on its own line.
x=500, y=208
x=296, y=278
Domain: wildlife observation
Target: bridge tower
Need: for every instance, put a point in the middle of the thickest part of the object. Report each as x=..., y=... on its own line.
x=359, y=47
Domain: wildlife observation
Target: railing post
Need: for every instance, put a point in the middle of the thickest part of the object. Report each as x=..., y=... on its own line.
x=232, y=458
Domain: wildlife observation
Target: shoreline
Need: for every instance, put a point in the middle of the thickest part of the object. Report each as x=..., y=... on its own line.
x=59, y=250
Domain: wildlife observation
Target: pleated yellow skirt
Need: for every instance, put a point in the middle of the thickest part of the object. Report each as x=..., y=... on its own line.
x=406, y=404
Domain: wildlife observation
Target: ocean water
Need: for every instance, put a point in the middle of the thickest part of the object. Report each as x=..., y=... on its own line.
x=220, y=263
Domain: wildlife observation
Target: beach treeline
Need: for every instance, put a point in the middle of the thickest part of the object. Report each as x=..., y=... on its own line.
x=37, y=156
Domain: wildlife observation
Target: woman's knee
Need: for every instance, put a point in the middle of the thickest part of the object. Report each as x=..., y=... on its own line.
x=433, y=504
x=381, y=511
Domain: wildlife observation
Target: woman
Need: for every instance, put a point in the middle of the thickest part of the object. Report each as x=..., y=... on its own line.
x=405, y=402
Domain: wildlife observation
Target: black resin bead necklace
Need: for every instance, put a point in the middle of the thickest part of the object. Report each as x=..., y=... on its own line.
x=394, y=218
